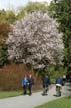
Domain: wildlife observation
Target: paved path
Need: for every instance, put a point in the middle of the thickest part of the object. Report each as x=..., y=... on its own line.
x=31, y=101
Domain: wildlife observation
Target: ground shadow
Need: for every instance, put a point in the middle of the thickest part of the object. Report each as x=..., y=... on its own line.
x=55, y=95
x=44, y=94
x=69, y=89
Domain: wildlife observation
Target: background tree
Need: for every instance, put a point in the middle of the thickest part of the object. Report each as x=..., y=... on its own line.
x=7, y=17
x=31, y=7
x=4, y=30
x=36, y=40
x=61, y=9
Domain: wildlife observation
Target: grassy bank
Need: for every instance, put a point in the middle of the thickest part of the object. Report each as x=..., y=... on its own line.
x=7, y=94
x=59, y=103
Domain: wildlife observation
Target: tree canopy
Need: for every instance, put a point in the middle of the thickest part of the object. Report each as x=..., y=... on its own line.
x=32, y=7
x=61, y=9
x=7, y=17
x=36, y=40
x=4, y=30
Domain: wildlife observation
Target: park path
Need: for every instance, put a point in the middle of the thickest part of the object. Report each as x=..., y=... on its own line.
x=34, y=100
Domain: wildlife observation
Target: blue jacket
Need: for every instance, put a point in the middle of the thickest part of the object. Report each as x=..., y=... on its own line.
x=24, y=82
x=59, y=81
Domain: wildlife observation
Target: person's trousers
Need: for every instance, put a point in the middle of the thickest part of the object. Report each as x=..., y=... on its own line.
x=30, y=90
x=58, y=90
x=24, y=90
x=45, y=90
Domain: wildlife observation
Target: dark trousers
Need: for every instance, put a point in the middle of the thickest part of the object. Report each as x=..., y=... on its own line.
x=24, y=89
x=30, y=89
x=64, y=80
x=45, y=89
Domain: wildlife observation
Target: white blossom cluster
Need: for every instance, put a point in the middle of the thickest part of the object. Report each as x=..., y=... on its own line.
x=36, y=40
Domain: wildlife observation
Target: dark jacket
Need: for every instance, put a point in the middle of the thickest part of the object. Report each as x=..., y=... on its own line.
x=45, y=81
x=30, y=81
x=59, y=81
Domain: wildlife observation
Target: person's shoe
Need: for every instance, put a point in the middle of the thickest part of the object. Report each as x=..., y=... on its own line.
x=30, y=94
x=44, y=94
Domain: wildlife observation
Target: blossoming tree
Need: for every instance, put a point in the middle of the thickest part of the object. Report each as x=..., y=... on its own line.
x=36, y=40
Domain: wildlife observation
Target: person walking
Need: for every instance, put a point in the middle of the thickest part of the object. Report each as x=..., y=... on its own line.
x=64, y=79
x=59, y=83
x=30, y=84
x=45, y=81
x=24, y=85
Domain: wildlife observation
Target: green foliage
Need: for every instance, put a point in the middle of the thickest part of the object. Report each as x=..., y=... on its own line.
x=7, y=17
x=61, y=9
x=2, y=16
x=4, y=30
x=3, y=55
x=31, y=7
x=60, y=72
x=10, y=17
x=53, y=72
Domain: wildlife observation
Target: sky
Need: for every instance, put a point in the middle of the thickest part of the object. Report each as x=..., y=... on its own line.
x=14, y=4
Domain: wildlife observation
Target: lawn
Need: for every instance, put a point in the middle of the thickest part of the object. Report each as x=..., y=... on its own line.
x=59, y=103
x=7, y=94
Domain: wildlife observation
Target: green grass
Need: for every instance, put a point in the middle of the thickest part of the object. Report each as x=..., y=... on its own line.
x=59, y=103
x=7, y=94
